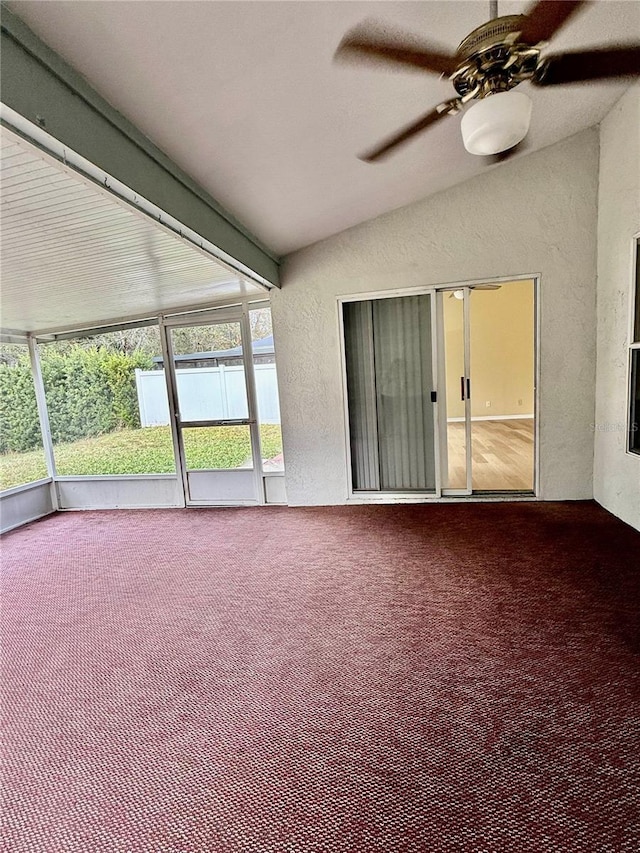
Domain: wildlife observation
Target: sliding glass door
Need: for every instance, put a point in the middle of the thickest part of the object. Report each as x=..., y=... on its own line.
x=487, y=371
x=390, y=394
x=440, y=391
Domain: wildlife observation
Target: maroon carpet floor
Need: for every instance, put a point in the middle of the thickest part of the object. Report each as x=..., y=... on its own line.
x=441, y=678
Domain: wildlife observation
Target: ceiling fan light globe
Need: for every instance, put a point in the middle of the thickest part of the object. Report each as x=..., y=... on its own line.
x=496, y=123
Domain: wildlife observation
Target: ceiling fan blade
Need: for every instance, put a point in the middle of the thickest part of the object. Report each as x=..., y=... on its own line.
x=599, y=64
x=546, y=17
x=408, y=132
x=368, y=42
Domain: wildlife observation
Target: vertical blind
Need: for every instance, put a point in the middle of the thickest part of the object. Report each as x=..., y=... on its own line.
x=361, y=395
x=389, y=383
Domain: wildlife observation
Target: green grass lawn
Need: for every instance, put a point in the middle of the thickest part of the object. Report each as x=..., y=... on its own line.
x=141, y=451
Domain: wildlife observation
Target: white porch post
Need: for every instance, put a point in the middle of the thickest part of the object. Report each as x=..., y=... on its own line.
x=43, y=415
x=252, y=402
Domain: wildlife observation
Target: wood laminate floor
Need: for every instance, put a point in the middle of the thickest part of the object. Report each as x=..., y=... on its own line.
x=502, y=453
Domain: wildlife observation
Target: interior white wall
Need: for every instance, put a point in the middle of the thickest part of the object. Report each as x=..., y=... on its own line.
x=616, y=472
x=535, y=215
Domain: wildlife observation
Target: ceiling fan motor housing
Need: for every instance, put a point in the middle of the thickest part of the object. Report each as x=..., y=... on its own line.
x=492, y=60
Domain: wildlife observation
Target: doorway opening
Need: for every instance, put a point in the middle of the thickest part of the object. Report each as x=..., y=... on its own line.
x=223, y=405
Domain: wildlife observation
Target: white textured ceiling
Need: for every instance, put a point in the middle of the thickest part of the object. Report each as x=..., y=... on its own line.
x=74, y=256
x=245, y=98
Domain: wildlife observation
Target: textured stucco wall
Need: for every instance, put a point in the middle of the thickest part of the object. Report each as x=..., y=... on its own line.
x=616, y=473
x=535, y=215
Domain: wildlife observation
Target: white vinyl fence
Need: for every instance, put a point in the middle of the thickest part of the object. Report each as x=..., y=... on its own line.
x=207, y=393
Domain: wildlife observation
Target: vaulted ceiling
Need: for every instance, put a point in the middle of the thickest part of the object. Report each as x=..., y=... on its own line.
x=245, y=98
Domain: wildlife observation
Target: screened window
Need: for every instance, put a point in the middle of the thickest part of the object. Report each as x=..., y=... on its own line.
x=107, y=404
x=22, y=457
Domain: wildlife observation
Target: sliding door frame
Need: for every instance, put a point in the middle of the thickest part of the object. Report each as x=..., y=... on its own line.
x=437, y=345
x=467, y=288
x=359, y=496
x=443, y=450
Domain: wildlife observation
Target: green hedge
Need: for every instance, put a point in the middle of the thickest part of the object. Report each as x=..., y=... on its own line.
x=19, y=423
x=89, y=392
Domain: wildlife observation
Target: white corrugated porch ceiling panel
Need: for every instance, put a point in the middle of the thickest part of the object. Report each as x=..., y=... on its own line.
x=74, y=255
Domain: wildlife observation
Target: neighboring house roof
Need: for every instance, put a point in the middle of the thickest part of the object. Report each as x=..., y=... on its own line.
x=262, y=347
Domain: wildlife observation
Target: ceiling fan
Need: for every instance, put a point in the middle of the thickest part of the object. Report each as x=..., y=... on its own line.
x=487, y=66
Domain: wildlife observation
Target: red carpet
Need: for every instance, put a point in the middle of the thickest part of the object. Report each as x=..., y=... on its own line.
x=441, y=678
